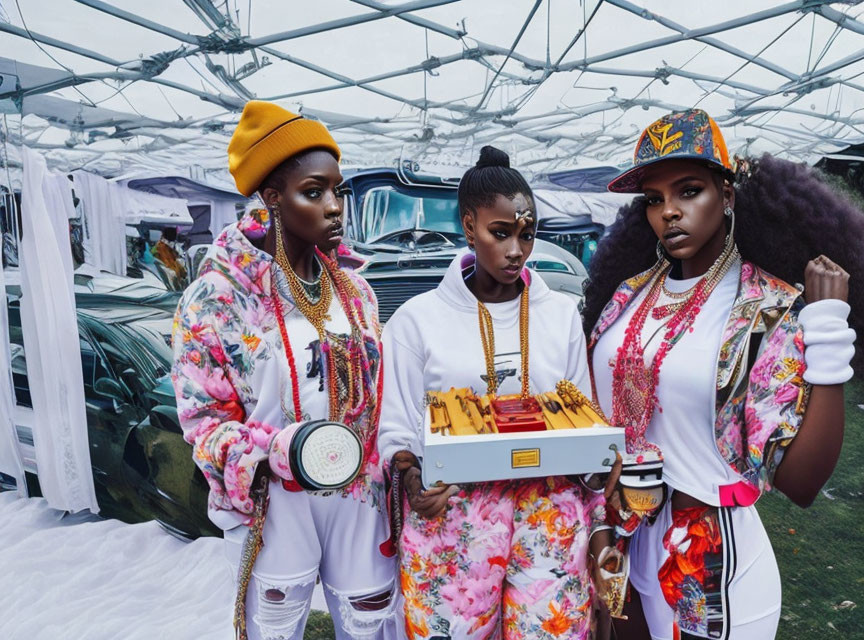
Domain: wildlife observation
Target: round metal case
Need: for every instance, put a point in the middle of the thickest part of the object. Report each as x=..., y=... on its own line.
x=325, y=455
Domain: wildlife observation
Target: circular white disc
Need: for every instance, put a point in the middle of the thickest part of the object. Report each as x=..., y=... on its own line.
x=331, y=455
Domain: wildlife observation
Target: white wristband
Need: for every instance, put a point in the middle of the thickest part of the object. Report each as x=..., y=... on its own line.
x=829, y=342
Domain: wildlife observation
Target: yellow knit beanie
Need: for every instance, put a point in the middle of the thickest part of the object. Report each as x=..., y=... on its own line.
x=266, y=136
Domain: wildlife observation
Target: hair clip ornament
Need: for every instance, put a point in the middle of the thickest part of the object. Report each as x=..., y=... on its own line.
x=526, y=215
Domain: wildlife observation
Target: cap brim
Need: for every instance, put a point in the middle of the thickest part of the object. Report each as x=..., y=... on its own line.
x=630, y=181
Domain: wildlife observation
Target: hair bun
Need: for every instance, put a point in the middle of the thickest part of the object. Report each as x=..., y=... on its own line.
x=492, y=157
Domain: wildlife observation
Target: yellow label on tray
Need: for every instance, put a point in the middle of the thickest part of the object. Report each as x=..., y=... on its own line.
x=521, y=458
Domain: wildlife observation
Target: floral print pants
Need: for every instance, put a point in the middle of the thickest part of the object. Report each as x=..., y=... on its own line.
x=506, y=560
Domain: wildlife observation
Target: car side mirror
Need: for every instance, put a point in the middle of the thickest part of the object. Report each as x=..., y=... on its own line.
x=113, y=390
x=165, y=418
x=109, y=388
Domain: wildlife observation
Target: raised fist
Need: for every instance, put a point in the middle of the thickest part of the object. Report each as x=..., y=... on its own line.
x=825, y=280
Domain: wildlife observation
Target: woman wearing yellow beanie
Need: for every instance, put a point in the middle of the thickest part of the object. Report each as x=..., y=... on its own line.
x=272, y=341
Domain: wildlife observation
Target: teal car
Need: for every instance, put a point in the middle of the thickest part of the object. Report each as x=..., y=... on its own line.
x=142, y=467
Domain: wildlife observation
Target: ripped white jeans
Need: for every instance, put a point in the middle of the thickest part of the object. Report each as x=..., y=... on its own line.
x=306, y=536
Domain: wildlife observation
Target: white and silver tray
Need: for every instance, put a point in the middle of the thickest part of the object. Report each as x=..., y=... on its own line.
x=510, y=456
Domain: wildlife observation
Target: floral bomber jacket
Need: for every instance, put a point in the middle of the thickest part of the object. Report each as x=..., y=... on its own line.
x=232, y=378
x=758, y=410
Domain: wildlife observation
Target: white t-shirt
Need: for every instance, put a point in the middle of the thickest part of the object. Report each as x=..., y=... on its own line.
x=432, y=343
x=310, y=360
x=683, y=424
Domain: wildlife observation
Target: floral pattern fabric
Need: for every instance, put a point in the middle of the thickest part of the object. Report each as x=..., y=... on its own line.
x=758, y=409
x=232, y=377
x=506, y=560
x=692, y=577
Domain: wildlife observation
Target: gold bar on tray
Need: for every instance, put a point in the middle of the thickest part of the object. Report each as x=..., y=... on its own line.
x=462, y=412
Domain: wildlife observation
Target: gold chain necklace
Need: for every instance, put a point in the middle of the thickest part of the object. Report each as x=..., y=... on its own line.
x=316, y=313
x=487, y=338
x=711, y=278
x=676, y=295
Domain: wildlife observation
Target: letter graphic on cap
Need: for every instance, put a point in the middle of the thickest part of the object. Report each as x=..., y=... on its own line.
x=658, y=133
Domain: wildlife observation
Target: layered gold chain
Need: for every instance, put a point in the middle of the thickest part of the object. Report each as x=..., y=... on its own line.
x=675, y=295
x=712, y=277
x=315, y=312
x=487, y=338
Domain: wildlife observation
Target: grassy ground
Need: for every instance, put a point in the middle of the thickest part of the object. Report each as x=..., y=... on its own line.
x=319, y=627
x=820, y=550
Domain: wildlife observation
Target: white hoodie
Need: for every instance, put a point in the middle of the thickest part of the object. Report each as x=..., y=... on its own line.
x=433, y=343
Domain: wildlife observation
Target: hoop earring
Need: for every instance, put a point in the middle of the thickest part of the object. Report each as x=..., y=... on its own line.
x=729, y=212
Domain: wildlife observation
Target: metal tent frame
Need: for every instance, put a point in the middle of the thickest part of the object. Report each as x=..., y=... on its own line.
x=606, y=63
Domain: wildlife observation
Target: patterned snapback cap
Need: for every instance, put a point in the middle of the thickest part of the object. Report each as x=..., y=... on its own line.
x=689, y=134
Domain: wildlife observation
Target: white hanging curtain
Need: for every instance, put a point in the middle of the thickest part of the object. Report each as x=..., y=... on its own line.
x=104, y=222
x=51, y=339
x=10, y=455
x=222, y=213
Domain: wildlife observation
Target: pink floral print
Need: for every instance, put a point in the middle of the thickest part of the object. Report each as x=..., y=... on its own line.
x=506, y=560
x=226, y=341
x=757, y=412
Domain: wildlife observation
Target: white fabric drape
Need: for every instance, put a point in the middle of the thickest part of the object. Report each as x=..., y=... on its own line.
x=51, y=339
x=104, y=222
x=140, y=206
x=222, y=213
x=10, y=455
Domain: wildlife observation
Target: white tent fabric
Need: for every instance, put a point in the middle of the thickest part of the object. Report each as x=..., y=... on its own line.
x=222, y=213
x=104, y=222
x=139, y=206
x=51, y=342
x=119, y=85
x=561, y=204
x=11, y=462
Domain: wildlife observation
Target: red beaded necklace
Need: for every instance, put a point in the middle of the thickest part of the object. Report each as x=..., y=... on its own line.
x=634, y=385
x=359, y=366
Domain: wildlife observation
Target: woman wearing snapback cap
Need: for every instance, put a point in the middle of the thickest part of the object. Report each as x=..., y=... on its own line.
x=277, y=359
x=731, y=372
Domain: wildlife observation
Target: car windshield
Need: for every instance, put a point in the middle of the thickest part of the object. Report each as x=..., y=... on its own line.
x=386, y=210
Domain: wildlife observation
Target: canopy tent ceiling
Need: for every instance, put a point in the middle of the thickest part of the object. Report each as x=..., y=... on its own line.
x=121, y=86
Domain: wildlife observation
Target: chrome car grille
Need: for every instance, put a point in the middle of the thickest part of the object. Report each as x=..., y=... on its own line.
x=393, y=292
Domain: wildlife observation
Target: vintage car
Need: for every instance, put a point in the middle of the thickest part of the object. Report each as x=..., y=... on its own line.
x=142, y=468
x=407, y=228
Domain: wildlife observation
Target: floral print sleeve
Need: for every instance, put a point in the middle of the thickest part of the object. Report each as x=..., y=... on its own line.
x=776, y=397
x=226, y=446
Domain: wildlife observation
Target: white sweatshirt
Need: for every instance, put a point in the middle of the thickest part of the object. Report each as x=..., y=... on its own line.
x=433, y=343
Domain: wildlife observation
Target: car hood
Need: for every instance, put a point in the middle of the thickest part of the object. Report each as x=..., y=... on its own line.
x=437, y=260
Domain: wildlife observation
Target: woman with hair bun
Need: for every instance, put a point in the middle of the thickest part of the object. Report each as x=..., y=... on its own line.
x=733, y=373
x=493, y=559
